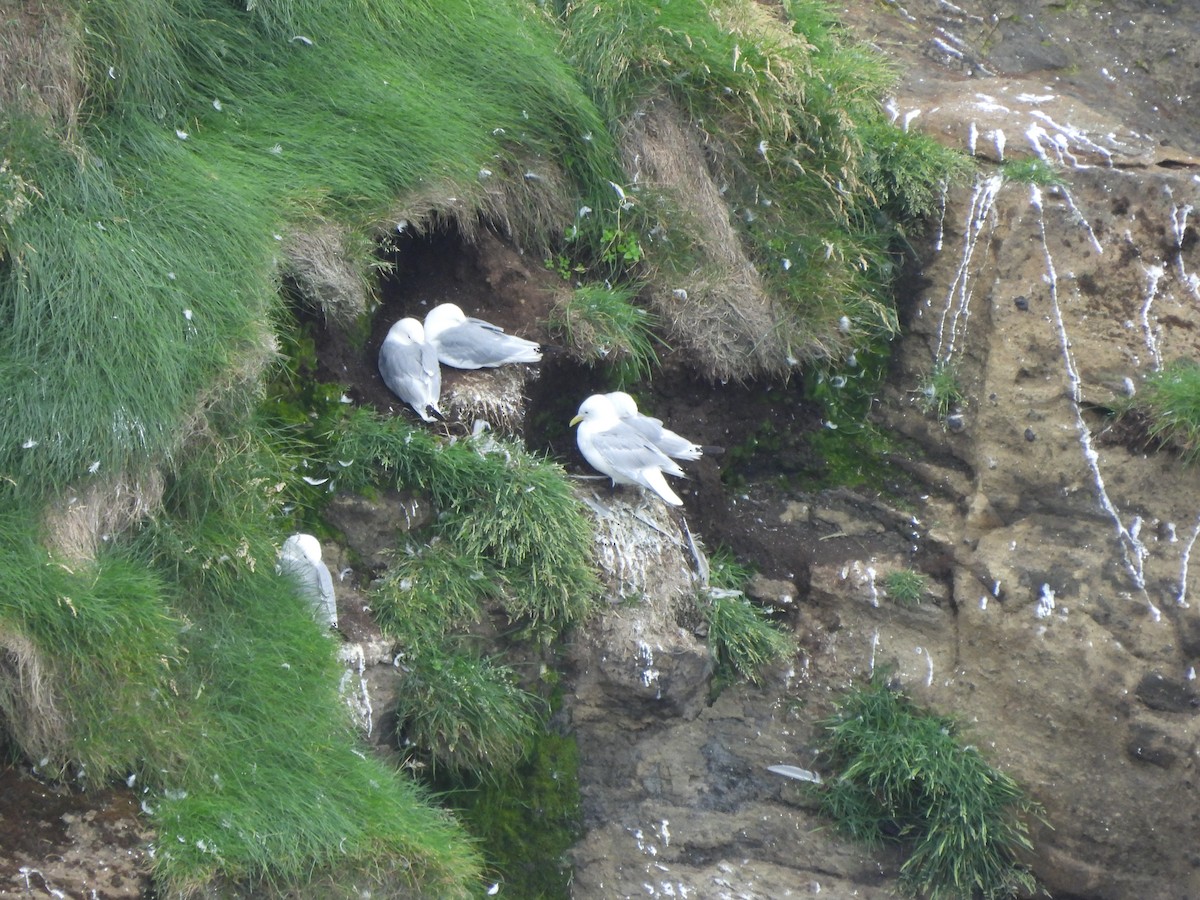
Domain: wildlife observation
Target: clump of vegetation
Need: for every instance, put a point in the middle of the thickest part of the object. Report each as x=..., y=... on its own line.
x=464, y=713
x=1169, y=399
x=742, y=639
x=500, y=510
x=903, y=777
x=905, y=586
x=819, y=183
x=940, y=393
x=603, y=324
x=745, y=643
x=1032, y=170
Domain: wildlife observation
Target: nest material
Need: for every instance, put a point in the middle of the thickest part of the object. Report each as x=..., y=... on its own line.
x=495, y=396
x=720, y=314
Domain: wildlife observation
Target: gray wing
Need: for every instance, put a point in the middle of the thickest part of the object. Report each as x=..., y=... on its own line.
x=666, y=440
x=628, y=452
x=325, y=601
x=482, y=324
x=476, y=344
x=411, y=373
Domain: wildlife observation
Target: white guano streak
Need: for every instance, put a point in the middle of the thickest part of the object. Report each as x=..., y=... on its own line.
x=958, y=300
x=1133, y=551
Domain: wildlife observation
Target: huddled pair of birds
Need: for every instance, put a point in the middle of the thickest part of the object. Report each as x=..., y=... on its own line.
x=614, y=437
x=631, y=448
x=412, y=354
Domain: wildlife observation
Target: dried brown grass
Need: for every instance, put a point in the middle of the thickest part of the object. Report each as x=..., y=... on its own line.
x=330, y=270
x=719, y=313
x=78, y=522
x=28, y=707
x=41, y=70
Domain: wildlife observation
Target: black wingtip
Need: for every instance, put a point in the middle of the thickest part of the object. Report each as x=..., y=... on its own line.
x=435, y=412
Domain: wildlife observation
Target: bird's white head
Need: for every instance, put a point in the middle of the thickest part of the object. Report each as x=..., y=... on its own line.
x=596, y=408
x=310, y=547
x=408, y=330
x=624, y=404
x=443, y=316
x=302, y=545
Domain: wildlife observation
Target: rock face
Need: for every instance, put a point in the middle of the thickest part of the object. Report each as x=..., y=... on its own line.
x=1060, y=624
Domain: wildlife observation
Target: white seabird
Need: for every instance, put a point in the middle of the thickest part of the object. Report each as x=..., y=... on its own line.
x=300, y=559
x=653, y=430
x=409, y=365
x=466, y=343
x=619, y=451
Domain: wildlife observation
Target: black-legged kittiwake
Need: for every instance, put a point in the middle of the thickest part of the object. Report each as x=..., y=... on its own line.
x=653, y=430
x=619, y=451
x=466, y=343
x=409, y=365
x=300, y=559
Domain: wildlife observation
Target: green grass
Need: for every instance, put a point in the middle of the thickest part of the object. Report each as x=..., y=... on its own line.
x=496, y=502
x=603, y=326
x=170, y=204
x=465, y=713
x=813, y=171
x=744, y=642
x=742, y=639
x=1170, y=400
x=1032, y=171
x=902, y=776
x=905, y=586
x=940, y=393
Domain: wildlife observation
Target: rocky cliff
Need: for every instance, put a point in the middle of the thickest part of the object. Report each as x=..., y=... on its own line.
x=1060, y=625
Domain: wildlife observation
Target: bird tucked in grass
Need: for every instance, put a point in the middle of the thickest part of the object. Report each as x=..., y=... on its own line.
x=300, y=559
x=618, y=450
x=467, y=343
x=408, y=363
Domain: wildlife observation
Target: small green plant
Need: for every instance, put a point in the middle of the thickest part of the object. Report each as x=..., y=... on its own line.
x=604, y=325
x=726, y=571
x=744, y=642
x=905, y=586
x=903, y=777
x=1031, y=171
x=1170, y=400
x=940, y=393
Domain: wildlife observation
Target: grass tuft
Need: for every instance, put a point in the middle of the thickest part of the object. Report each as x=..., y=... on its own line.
x=1170, y=399
x=904, y=778
x=1032, y=171
x=464, y=713
x=602, y=325
x=939, y=394
x=904, y=586
x=745, y=643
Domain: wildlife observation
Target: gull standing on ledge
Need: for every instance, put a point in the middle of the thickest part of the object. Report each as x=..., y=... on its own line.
x=300, y=559
x=653, y=430
x=619, y=451
x=466, y=343
x=409, y=366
